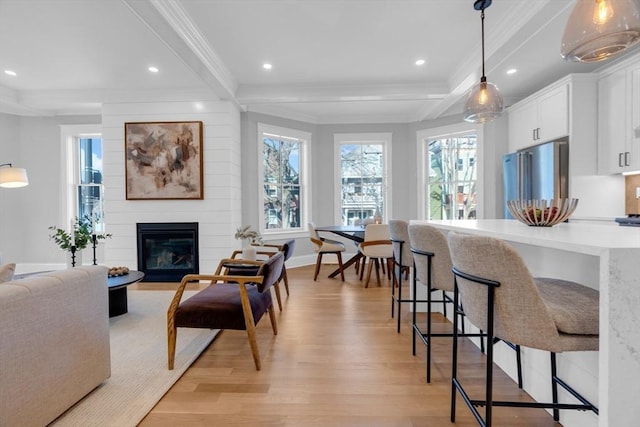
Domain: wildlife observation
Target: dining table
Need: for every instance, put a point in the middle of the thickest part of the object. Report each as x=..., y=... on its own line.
x=351, y=232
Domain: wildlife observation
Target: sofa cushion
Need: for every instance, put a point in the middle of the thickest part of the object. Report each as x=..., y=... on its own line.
x=6, y=272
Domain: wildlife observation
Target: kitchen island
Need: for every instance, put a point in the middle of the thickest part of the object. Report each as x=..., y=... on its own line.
x=600, y=255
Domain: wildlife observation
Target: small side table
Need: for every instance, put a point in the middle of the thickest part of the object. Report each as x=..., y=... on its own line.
x=118, y=291
x=240, y=269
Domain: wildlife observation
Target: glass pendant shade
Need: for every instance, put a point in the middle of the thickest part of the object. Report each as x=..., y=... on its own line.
x=11, y=177
x=484, y=103
x=599, y=29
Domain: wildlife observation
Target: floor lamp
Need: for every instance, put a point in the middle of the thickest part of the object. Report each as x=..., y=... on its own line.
x=11, y=177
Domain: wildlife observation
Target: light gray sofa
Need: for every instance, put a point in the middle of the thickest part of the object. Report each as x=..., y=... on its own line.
x=54, y=343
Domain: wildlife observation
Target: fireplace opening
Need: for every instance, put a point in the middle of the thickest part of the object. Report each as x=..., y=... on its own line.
x=167, y=251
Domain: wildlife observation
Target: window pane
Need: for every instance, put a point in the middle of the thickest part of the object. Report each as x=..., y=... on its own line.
x=451, y=189
x=291, y=162
x=271, y=160
x=90, y=180
x=290, y=207
x=362, y=182
x=281, y=160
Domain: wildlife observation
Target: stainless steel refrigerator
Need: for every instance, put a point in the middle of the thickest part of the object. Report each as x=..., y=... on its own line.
x=538, y=172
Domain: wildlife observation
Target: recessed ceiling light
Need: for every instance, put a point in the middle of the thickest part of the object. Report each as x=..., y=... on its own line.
x=10, y=73
x=267, y=66
x=153, y=69
x=420, y=62
x=512, y=71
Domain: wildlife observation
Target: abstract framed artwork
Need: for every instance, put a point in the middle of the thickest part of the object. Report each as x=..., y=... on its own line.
x=163, y=160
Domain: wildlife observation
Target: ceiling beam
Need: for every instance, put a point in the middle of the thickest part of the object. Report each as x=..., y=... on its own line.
x=171, y=23
x=260, y=94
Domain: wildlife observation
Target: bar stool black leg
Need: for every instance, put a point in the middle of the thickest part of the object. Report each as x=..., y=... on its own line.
x=554, y=386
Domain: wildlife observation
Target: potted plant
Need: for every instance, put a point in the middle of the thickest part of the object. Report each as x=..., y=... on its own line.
x=79, y=236
x=249, y=237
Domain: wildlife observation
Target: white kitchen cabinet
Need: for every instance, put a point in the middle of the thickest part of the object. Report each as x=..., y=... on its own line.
x=634, y=144
x=566, y=109
x=619, y=121
x=540, y=118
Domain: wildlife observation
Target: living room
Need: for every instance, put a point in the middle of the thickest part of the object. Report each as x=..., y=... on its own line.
x=37, y=121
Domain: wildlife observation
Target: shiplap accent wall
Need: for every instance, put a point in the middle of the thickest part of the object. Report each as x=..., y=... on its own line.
x=218, y=215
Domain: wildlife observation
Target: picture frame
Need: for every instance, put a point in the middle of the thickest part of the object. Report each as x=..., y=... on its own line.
x=163, y=160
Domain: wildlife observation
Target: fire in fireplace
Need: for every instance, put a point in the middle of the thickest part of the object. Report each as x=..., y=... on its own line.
x=167, y=251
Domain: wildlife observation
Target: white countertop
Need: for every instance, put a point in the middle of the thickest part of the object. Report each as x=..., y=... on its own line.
x=610, y=254
x=582, y=237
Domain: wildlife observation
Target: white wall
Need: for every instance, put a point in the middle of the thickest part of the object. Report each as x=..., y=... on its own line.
x=218, y=215
x=26, y=213
x=11, y=199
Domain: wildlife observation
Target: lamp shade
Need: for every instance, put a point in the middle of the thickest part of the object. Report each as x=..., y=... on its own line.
x=599, y=29
x=484, y=103
x=11, y=177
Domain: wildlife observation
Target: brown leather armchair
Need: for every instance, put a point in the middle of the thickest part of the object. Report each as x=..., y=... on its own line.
x=229, y=302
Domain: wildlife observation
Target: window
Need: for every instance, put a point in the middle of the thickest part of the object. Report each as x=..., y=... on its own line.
x=90, y=178
x=84, y=187
x=450, y=175
x=283, y=169
x=363, y=177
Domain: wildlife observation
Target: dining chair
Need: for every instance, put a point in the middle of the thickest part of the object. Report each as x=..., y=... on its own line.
x=325, y=246
x=376, y=246
x=229, y=302
x=501, y=297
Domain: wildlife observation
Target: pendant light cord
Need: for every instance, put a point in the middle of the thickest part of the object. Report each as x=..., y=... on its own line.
x=484, y=78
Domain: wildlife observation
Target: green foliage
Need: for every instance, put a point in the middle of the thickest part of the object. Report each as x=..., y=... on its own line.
x=82, y=233
x=247, y=233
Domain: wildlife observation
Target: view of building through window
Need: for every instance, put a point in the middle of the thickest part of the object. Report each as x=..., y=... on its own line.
x=281, y=180
x=451, y=185
x=362, y=182
x=90, y=186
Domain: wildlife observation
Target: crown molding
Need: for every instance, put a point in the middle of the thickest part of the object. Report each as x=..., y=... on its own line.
x=11, y=103
x=281, y=111
x=257, y=94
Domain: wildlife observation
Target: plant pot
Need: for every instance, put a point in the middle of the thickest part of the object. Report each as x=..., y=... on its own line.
x=249, y=253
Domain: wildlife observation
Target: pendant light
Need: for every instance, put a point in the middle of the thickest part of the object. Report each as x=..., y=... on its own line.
x=484, y=102
x=599, y=29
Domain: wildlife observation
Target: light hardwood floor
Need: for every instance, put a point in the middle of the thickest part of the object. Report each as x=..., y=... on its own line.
x=336, y=361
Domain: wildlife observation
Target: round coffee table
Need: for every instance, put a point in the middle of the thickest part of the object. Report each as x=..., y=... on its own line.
x=118, y=291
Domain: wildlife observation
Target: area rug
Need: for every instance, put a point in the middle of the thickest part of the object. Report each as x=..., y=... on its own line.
x=139, y=374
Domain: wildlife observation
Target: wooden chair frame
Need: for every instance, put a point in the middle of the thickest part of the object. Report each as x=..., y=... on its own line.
x=321, y=253
x=375, y=260
x=218, y=279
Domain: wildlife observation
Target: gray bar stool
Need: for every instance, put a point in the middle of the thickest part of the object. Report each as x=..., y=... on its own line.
x=432, y=267
x=502, y=298
x=402, y=264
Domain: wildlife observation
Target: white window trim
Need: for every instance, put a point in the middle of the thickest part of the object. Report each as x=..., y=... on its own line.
x=383, y=138
x=305, y=188
x=69, y=134
x=423, y=167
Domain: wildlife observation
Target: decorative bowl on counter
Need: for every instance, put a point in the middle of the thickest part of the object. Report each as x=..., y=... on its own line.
x=542, y=213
